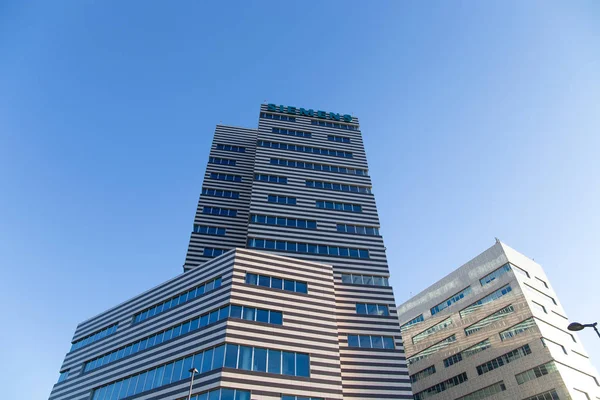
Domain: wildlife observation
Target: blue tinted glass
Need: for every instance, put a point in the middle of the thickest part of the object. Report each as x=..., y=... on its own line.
x=158, y=376
x=204, y=320
x=388, y=342
x=236, y=311
x=361, y=308
x=289, y=285
x=167, y=376
x=276, y=283
x=223, y=312
x=262, y=316
x=289, y=363
x=264, y=281
x=227, y=394
x=274, y=361
x=213, y=317
x=249, y=313
x=187, y=365
x=198, y=361
x=231, y=356
x=207, y=361
x=242, y=395
x=140, y=384
x=365, y=341
x=245, y=359
x=149, y=380
x=260, y=360
x=218, y=356
x=194, y=324
x=353, y=341
x=185, y=328
x=251, y=279
x=132, y=385
x=301, y=287
x=177, y=368
x=302, y=365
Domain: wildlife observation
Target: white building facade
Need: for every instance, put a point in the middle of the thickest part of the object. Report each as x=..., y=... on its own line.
x=494, y=328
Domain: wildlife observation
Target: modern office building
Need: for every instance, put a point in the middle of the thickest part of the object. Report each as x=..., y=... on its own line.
x=494, y=329
x=285, y=290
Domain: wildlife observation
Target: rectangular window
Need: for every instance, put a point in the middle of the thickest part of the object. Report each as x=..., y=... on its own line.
x=209, y=230
x=441, y=387
x=540, y=295
x=490, y=319
x=549, y=395
x=220, y=193
x=294, y=247
x=485, y=392
x=276, y=283
x=221, y=161
x=336, y=125
x=304, y=149
x=451, y=300
x=424, y=373
x=371, y=342
x=318, y=167
x=339, y=139
x=223, y=212
x=453, y=359
x=495, y=274
x=431, y=330
x=372, y=309
x=536, y=372
x=414, y=321
x=225, y=177
x=228, y=147
x=504, y=359
x=270, y=178
x=358, y=229
x=94, y=337
x=432, y=349
x=277, y=117
x=63, y=375
x=340, y=187
x=487, y=299
x=291, y=132
x=212, y=252
x=331, y=205
x=369, y=280
x=517, y=329
x=272, y=198
x=283, y=221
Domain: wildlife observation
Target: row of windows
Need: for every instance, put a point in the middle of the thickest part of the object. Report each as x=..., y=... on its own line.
x=177, y=300
x=536, y=372
x=226, y=355
x=277, y=283
x=208, y=318
x=431, y=330
x=318, y=167
x=273, y=198
x=487, y=299
x=225, y=212
x=479, y=347
x=342, y=187
x=270, y=178
x=94, y=337
x=432, y=349
x=372, y=309
x=424, y=373
x=307, y=248
x=340, y=139
x=209, y=230
x=504, y=359
x=517, y=329
x=549, y=395
x=485, y=392
x=225, y=177
x=305, y=149
x=221, y=161
x=220, y=193
x=371, y=280
x=213, y=252
x=334, y=125
x=448, y=302
x=283, y=221
x=495, y=274
x=371, y=341
x=358, y=229
x=291, y=132
x=490, y=319
x=441, y=387
x=278, y=117
x=222, y=394
x=412, y=322
x=228, y=147
x=332, y=205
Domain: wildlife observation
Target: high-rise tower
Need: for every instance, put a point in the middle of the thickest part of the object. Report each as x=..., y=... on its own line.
x=285, y=294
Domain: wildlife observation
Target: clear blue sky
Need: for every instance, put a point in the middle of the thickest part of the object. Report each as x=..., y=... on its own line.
x=480, y=119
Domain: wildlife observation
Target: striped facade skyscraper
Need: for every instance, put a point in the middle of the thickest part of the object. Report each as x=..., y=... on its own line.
x=285, y=292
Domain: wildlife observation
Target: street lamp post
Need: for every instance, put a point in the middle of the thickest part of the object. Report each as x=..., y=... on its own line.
x=576, y=326
x=193, y=371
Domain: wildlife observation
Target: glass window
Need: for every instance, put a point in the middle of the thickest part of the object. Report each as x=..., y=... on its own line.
x=302, y=365
x=227, y=394
x=218, y=356
x=149, y=380
x=289, y=363
x=223, y=312
x=249, y=313
x=213, y=317
x=236, y=311
x=251, y=279
x=274, y=357
x=361, y=308
x=260, y=360
x=262, y=316
x=207, y=361
x=365, y=341
x=204, y=320
x=353, y=341
x=388, y=342
x=289, y=285
x=132, y=385
x=276, y=283
x=158, y=376
x=301, y=287
x=245, y=361
x=276, y=317
x=231, y=355
x=177, y=368
x=377, y=342
x=141, y=382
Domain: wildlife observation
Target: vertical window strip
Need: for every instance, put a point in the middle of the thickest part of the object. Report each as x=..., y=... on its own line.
x=487, y=299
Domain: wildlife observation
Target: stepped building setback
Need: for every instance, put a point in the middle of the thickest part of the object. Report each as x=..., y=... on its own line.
x=284, y=294
x=494, y=329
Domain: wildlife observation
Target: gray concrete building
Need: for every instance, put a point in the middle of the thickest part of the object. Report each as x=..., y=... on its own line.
x=284, y=293
x=495, y=329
